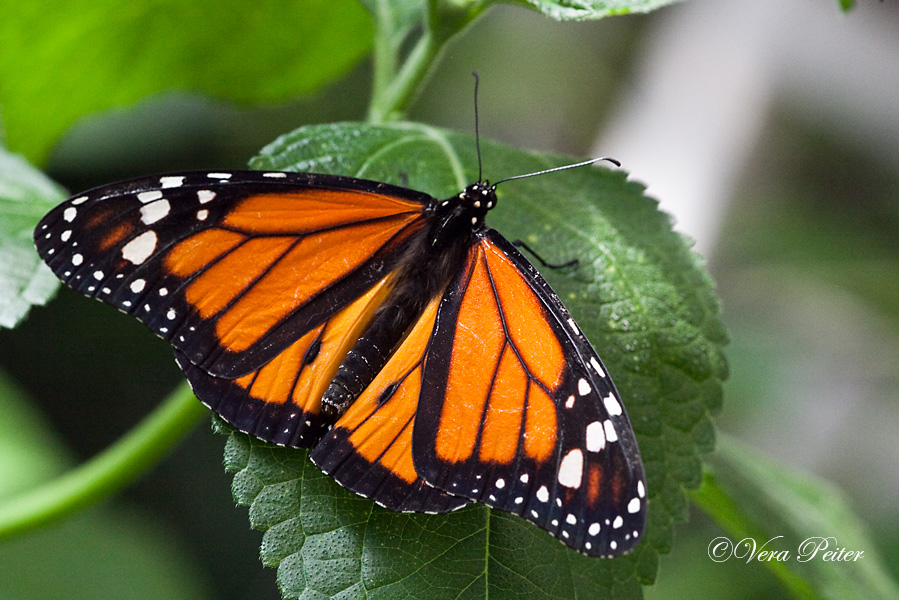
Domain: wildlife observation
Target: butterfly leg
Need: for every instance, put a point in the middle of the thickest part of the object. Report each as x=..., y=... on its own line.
x=571, y=263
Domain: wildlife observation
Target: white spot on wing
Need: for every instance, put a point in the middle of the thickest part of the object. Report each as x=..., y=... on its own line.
x=596, y=439
x=140, y=248
x=618, y=522
x=571, y=469
x=77, y=260
x=79, y=200
x=150, y=196
x=593, y=529
x=500, y=483
x=70, y=213
x=205, y=196
x=573, y=325
x=571, y=519
x=98, y=275
x=275, y=175
x=543, y=494
x=611, y=434
x=641, y=490
x=137, y=286
x=171, y=181
x=583, y=387
x=597, y=367
x=523, y=478
x=612, y=405
x=219, y=175
x=633, y=506
x=65, y=235
x=155, y=211
x=202, y=215
x=569, y=403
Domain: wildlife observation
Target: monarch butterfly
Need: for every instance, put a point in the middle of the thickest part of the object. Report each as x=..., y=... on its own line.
x=416, y=351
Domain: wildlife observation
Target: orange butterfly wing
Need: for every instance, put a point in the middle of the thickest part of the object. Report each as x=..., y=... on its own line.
x=517, y=411
x=230, y=268
x=496, y=396
x=369, y=449
x=281, y=401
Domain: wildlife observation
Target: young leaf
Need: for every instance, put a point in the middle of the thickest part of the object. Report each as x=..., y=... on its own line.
x=638, y=293
x=25, y=195
x=754, y=498
x=62, y=60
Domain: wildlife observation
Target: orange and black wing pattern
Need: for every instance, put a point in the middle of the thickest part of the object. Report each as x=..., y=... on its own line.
x=517, y=411
x=417, y=352
x=281, y=401
x=249, y=275
x=229, y=267
x=369, y=450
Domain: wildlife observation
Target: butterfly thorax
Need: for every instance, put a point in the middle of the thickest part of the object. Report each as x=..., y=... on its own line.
x=464, y=211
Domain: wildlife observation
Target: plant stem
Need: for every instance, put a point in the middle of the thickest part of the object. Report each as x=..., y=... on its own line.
x=394, y=86
x=115, y=467
x=390, y=101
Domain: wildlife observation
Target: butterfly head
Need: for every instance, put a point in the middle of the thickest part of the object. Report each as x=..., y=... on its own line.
x=476, y=200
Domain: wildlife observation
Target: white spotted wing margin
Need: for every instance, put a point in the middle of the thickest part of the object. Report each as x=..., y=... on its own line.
x=111, y=243
x=590, y=490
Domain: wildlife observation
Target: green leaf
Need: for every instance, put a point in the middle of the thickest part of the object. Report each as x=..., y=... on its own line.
x=62, y=59
x=641, y=297
x=566, y=10
x=756, y=499
x=25, y=195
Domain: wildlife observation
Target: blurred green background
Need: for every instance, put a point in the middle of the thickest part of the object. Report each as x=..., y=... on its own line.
x=770, y=132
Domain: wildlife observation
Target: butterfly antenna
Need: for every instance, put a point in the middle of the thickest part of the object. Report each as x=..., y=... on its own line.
x=477, y=135
x=562, y=168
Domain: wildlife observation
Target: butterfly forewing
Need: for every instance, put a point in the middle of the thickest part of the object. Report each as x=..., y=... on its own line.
x=518, y=412
x=230, y=268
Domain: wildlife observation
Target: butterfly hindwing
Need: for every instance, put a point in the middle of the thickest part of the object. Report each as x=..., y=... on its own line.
x=230, y=268
x=281, y=401
x=517, y=411
x=369, y=450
